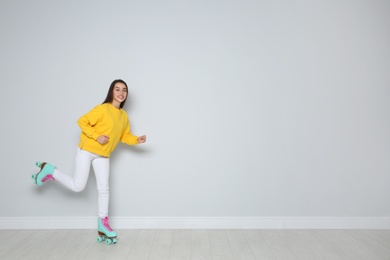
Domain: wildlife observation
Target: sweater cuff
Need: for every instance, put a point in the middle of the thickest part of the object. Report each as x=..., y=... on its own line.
x=94, y=136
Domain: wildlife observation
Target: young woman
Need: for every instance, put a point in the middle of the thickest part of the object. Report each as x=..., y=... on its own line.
x=101, y=130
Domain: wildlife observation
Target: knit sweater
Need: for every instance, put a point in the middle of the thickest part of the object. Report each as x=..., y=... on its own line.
x=105, y=119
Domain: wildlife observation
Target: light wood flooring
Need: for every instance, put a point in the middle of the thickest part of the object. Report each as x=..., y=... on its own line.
x=198, y=244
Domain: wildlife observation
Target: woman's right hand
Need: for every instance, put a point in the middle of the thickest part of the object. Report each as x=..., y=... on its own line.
x=103, y=139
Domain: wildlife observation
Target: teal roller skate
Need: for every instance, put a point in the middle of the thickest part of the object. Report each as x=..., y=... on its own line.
x=105, y=232
x=46, y=173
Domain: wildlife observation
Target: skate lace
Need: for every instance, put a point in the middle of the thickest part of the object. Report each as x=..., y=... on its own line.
x=105, y=224
x=48, y=177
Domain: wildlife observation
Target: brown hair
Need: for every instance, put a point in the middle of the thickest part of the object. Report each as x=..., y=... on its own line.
x=110, y=95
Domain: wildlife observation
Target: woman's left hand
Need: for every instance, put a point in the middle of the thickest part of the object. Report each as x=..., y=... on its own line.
x=141, y=139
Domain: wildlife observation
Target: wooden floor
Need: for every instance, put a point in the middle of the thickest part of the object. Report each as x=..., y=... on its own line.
x=198, y=244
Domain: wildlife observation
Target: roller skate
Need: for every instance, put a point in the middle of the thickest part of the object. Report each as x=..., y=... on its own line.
x=46, y=173
x=105, y=232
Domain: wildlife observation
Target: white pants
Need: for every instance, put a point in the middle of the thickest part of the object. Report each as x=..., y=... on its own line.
x=101, y=167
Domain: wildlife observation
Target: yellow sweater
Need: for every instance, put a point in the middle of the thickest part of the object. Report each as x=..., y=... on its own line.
x=105, y=119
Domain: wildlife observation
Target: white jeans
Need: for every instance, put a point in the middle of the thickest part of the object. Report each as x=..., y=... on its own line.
x=101, y=167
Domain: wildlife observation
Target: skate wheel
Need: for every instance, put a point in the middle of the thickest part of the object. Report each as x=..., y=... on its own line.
x=114, y=241
x=99, y=239
x=108, y=241
x=34, y=178
x=38, y=164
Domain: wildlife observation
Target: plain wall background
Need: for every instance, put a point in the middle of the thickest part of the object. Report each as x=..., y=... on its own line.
x=251, y=108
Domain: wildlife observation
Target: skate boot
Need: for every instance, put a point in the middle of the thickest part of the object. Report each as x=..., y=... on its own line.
x=105, y=232
x=46, y=173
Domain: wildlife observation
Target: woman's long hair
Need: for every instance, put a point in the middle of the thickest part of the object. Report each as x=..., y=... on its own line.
x=110, y=95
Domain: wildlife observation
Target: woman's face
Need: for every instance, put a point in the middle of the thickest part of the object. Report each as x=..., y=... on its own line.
x=119, y=94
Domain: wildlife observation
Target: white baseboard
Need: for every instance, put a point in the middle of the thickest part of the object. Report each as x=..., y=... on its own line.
x=198, y=222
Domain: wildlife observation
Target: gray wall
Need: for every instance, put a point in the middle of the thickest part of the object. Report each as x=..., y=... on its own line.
x=251, y=108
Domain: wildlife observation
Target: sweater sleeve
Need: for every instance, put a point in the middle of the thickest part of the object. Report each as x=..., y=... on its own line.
x=87, y=121
x=128, y=137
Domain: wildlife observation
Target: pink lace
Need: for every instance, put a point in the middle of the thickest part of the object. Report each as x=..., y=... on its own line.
x=48, y=177
x=105, y=224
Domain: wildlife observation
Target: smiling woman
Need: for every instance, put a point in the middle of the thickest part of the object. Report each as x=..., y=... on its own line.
x=101, y=130
x=117, y=94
